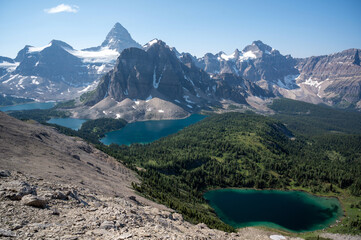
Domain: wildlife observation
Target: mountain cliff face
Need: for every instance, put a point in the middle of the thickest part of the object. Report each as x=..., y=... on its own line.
x=155, y=72
x=336, y=78
x=158, y=83
x=238, y=89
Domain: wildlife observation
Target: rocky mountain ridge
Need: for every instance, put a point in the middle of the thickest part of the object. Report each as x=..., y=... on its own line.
x=330, y=79
x=156, y=72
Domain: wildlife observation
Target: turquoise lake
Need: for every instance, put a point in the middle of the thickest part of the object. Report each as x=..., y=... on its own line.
x=148, y=131
x=28, y=106
x=72, y=123
x=287, y=210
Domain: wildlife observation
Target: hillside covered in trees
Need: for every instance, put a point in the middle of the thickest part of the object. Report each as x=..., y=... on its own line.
x=243, y=151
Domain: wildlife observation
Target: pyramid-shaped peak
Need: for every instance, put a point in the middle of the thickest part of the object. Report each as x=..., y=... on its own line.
x=258, y=46
x=118, y=25
x=119, y=38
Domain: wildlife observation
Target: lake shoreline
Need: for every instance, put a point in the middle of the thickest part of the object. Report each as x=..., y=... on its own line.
x=264, y=224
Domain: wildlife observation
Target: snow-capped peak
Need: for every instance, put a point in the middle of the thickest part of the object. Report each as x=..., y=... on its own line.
x=150, y=43
x=38, y=49
x=237, y=55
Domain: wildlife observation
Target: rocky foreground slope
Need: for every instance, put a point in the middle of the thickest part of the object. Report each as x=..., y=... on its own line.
x=58, y=187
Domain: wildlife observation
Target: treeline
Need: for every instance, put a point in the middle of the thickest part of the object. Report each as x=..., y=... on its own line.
x=9, y=100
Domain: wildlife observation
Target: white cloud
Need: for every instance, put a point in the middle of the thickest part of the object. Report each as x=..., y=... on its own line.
x=62, y=8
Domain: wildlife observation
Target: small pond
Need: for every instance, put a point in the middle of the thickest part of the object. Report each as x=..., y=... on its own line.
x=287, y=210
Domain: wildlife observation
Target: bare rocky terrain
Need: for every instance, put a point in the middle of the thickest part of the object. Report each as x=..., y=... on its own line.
x=131, y=110
x=58, y=187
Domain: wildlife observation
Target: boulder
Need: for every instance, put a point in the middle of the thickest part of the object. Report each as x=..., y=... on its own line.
x=17, y=189
x=6, y=233
x=5, y=173
x=107, y=225
x=34, y=201
x=59, y=195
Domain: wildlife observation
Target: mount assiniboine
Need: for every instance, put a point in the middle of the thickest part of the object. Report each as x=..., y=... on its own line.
x=120, y=78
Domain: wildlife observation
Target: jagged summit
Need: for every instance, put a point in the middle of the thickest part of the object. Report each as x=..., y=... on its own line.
x=258, y=47
x=150, y=43
x=117, y=39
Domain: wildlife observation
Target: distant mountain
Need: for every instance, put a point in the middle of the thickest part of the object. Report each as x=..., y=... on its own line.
x=117, y=39
x=334, y=78
x=58, y=71
x=256, y=62
x=50, y=72
x=7, y=65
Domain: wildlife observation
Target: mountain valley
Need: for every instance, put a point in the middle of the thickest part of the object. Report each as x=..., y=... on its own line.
x=267, y=121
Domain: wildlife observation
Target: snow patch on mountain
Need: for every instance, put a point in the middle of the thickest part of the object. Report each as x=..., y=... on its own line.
x=289, y=82
x=228, y=57
x=38, y=49
x=242, y=56
x=150, y=43
x=312, y=83
x=149, y=98
x=104, y=55
x=247, y=55
x=186, y=98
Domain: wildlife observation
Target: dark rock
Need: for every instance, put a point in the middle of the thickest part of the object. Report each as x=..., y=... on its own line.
x=59, y=195
x=107, y=225
x=155, y=72
x=5, y=173
x=55, y=212
x=6, y=233
x=17, y=189
x=34, y=201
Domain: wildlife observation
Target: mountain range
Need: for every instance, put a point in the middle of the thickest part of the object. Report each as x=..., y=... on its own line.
x=57, y=71
x=121, y=78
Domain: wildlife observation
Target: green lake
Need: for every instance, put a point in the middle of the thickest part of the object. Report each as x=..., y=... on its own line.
x=148, y=131
x=28, y=106
x=72, y=123
x=287, y=210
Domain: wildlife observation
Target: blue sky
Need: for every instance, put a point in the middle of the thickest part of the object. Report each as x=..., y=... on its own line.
x=300, y=28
